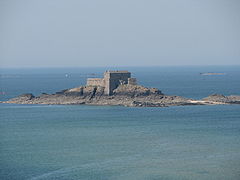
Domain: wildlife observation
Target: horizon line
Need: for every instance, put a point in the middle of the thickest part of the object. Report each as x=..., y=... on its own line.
x=137, y=66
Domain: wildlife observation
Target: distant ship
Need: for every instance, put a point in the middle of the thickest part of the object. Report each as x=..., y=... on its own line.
x=211, y=74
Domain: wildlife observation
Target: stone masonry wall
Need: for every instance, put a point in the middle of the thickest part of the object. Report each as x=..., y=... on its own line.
x=111, y=80
x=132, y=81
x=114, y=79
x=95, y=82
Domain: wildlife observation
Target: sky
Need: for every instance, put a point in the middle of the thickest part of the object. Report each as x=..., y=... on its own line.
x=90, y=33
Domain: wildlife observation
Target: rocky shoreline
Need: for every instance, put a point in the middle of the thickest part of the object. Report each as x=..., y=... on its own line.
x=123, y=95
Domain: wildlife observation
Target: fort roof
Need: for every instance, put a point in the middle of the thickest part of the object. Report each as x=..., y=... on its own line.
x=118, y=71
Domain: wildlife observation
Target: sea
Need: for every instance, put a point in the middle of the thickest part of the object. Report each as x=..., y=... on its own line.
x=80, y=142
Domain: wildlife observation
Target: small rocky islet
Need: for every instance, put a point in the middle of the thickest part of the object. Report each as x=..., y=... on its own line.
x=118, y=88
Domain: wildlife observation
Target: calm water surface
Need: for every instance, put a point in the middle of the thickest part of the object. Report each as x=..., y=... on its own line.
x=105, y=143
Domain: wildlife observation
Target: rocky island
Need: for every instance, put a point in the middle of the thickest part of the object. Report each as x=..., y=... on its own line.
x=118, y=88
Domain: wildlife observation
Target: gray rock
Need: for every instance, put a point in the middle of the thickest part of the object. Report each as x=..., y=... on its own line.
x=124, y=95
x=223, y=99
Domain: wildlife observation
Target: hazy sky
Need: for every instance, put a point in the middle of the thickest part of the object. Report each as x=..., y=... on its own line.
x=75, y=33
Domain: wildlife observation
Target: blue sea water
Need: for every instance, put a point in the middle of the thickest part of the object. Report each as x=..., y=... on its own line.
x=113, y=142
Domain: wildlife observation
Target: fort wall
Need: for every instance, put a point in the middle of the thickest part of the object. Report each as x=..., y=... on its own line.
x=132, y=81
x=114, y=78
x=95, y=82
x=111, y=80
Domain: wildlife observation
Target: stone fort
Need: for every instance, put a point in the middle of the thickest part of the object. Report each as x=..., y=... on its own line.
x=111, y=80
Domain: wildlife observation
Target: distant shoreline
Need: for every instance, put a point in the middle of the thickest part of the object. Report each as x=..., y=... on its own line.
x=211, y=74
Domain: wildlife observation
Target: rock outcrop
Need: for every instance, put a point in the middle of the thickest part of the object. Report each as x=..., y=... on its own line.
x=124, y=95
x=219, y=98
x=135, y=91
x=24, y=97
